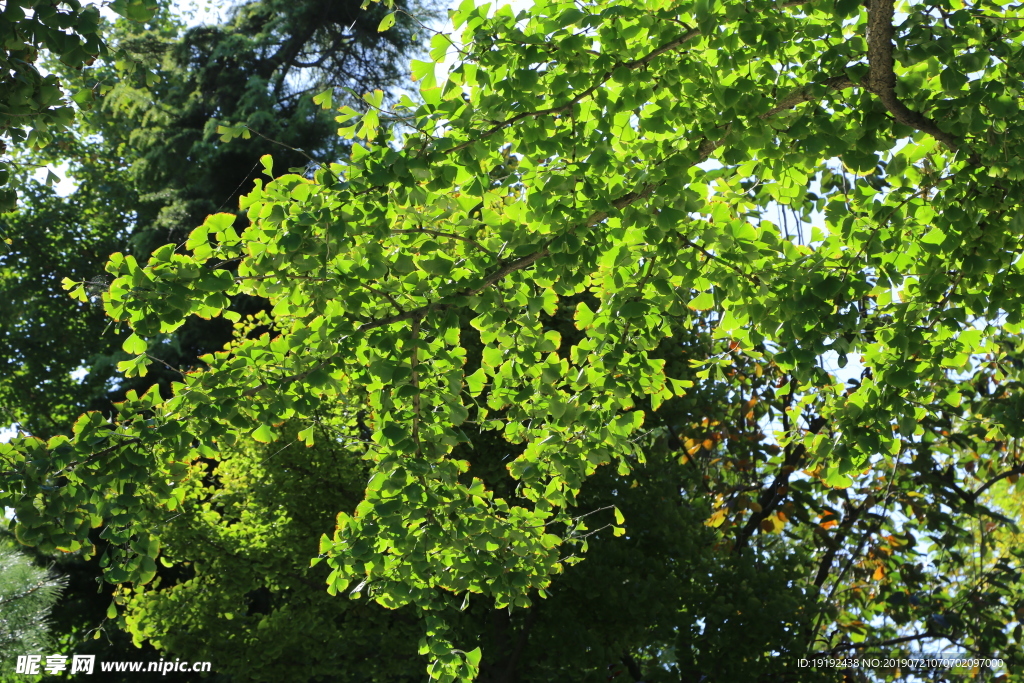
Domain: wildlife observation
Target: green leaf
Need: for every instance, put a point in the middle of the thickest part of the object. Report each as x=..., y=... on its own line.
x=264, y=434
x=634, y=309
x=584, y=317
x=837, y=480
x=375, y=99
x=550, y=541
x=421, y=70
x=702, y=302
x=493, y=357
x=387, y=22
x=83, y=98
x=902, y=377
x=570, y=17
x=476, y=382
x=134, y=345
x=216, y=281
x=324, y=99
x=845, y=8
x=135, y=10
x=935, y=236
x=147, y=570
x=705, y=16
x=952, y=80
x=1003, y=106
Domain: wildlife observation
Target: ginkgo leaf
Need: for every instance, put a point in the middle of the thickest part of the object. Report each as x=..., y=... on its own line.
x=134, y=345
x=264, y=434
x=387, y=22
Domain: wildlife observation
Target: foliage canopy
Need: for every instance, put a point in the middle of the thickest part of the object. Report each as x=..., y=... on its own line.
x=35, y=105
x=148, y=167
x=622, y=159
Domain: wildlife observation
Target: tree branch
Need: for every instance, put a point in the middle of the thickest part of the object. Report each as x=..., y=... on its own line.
x=771, y=496
x=1016, y=469
x=605, y=77
x=881, y=78
x=739, y=271
x=805, y=94
x=438, y=233
x=252, y=391
x=844, y=530
x=633, y=667
x=384, y=294
x=100, y=454
x=879, y=643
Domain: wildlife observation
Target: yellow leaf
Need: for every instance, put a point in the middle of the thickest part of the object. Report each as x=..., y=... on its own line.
x=716, y=519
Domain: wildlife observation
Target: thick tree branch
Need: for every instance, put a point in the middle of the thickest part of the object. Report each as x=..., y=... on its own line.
x=1016, y=469
x=881, y=78
x=512, y=663
x=844, y=530
x=774, y=494
x=634, y=669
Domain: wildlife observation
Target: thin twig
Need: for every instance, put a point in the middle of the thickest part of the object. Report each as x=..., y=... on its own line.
x=385, y=295
x=438, y=233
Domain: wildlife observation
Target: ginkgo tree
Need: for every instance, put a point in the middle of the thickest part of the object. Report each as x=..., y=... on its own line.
x=34, y=104
x=630, y=151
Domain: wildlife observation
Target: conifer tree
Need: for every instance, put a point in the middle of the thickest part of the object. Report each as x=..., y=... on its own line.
x=27, y=596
